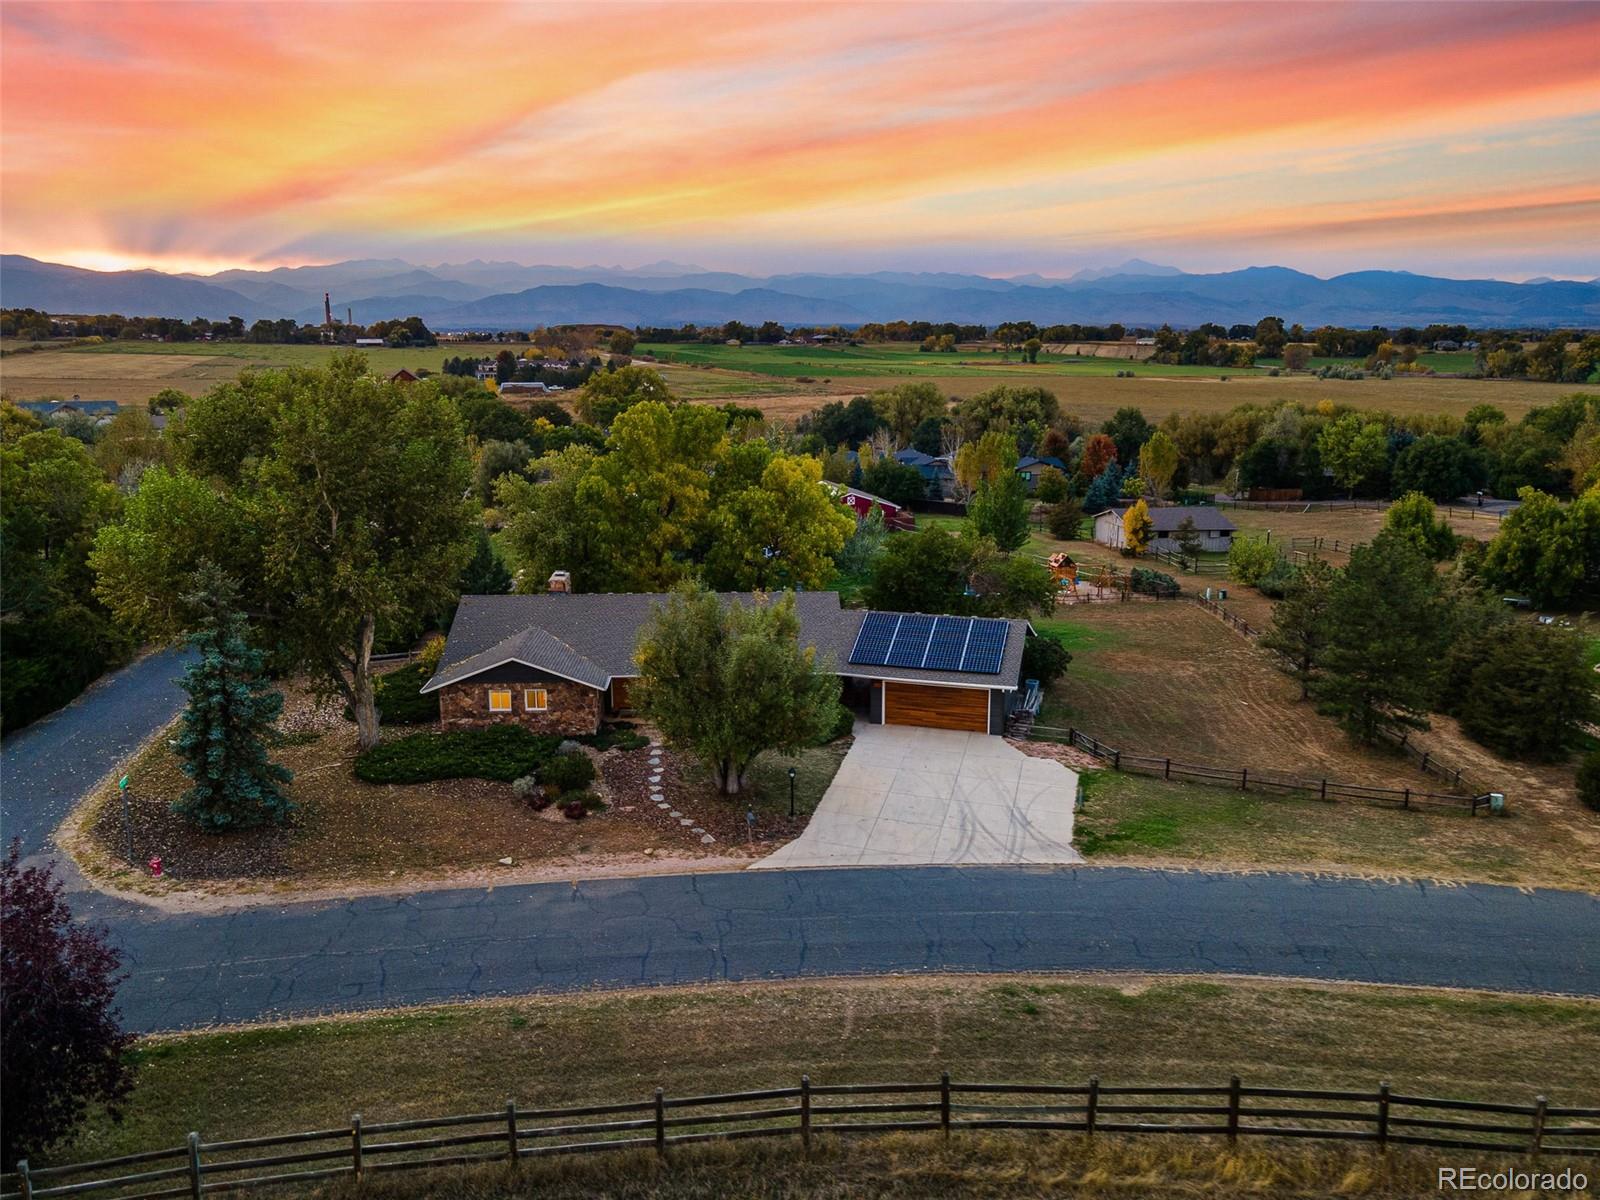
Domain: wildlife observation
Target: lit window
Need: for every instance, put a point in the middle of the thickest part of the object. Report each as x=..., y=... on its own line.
x=535, y=699
x=499, y=699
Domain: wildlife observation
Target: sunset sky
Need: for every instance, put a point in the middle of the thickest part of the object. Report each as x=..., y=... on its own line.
x=1456, y=140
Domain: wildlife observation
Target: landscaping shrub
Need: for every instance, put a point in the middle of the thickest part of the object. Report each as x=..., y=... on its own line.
x=1589, y=780
x=1250, y=558
x=568, y=772
x=1153, y=583
x=400, y=703
x=503, y=752
x=1044, y=658
x=844, y=724
x=529, y=789
x=618, y=736
x=588, y=801
x=574, y=810
x=1064, y=519
x=1277, y=582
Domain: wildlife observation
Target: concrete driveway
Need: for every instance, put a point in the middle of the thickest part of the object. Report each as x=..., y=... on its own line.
x=907, y=796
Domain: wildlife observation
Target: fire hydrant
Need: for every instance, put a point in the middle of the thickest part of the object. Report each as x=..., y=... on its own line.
x=155, y=867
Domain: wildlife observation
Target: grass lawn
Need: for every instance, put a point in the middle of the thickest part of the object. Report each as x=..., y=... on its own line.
x=1170, y=680
x=585, y=1049
x=766, y=791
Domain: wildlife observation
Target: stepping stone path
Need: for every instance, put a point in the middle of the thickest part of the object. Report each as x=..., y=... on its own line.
x=660, y=801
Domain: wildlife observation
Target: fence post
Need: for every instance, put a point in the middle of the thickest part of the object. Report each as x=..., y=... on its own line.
x=1233, y=1111
x=1324, y=788
x=1425, y=754
x=1405, y=801
x=1383, y=1116
x=944, y=1104
x=1540, y=1103
x=22, y=1178
x=1094, y=1104
x=511, y=1131
x=805, y=1114
x=1167, y=773
x=661, y=1123
x=1244, y=779
x=1116, y=760
x=195, y=1184
x=355, y=1146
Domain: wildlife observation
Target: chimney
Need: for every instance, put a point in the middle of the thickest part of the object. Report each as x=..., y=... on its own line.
x=560, y=581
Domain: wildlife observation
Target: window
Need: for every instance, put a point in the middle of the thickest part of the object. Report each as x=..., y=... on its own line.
x=499, y=700
x=535, y=699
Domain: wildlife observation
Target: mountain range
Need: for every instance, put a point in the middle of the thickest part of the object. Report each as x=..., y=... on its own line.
x=507, y=295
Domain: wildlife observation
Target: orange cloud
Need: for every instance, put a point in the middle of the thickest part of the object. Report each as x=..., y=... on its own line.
x=223, y=133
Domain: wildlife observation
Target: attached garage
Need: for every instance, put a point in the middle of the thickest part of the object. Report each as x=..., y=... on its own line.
x=934, y=707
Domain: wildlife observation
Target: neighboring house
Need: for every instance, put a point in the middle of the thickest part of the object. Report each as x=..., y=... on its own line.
x=1030, y=467
x=933, y=468
x=559, y=662
x=1215, y=530
x=369, y=341
x=402, y=376
x=101, y=410
x=895, y=516
x=512, y=387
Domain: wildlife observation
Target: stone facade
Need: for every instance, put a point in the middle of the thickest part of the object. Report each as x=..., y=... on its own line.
x=573, y=708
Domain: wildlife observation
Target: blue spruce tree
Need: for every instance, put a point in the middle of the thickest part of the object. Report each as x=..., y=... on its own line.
x=1105, y=489
x=229, y=721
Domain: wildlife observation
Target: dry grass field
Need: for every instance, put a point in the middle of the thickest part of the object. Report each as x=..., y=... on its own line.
x=1127, y=1029
x=1169, y=679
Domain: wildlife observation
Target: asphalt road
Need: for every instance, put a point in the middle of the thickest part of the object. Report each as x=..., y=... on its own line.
x=434, y=946
x=249, y=964
x=45, y=767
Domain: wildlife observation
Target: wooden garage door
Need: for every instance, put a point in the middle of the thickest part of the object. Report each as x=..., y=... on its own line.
x=936, y=707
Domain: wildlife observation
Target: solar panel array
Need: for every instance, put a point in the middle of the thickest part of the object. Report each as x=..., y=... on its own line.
x=973, y=644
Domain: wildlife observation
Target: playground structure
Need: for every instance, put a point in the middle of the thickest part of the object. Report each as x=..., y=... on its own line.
x=1088, y=582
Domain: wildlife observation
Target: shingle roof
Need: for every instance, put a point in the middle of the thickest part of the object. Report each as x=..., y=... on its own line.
x=1167, y=518
x=591, y=638
x=587, y=637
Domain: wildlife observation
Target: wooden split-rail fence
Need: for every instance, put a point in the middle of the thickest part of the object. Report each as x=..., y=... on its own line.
x=513, y=1134
x=1423, y=759
x=1247, y=779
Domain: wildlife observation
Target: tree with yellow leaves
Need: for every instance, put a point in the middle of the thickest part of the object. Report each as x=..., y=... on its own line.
x=1137, y=528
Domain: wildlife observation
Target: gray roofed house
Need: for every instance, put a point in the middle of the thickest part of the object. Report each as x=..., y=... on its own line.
x=1213, y=527
x=560, y=662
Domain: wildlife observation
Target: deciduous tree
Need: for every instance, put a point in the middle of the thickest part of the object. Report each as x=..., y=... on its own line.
x=608, y=394
x=1137, y=528
x=1158, y=463
x=1353, y=449
x=727, y=682
x=781, y=531
x=61, y=1048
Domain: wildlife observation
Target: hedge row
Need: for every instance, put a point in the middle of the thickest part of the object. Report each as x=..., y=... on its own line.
x=502, y=752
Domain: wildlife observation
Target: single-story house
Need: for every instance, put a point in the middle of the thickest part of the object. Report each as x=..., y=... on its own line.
x=402, y=376
x=100, y=410
x=369, y=341
x=559, y=662
x=1214, y=530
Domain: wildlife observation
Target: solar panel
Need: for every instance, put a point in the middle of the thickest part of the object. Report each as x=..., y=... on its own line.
x=874, y=639
x=911, y=640
x=986, y=646
x=948, y=643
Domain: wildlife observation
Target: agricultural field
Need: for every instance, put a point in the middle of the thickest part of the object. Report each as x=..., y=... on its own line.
x=1086, y=387
x=784, y=381
x=1170, y=680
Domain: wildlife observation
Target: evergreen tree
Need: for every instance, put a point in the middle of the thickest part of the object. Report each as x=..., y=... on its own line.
x=1385, y=640
x=1105, y=489
x=229, y=719
x=1530, y=693
x=1299, y=629
x=485, y=575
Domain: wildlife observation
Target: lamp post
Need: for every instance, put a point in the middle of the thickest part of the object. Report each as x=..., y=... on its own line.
x=791, y=793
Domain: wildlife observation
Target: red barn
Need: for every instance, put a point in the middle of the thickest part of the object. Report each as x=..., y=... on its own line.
x=895, y=516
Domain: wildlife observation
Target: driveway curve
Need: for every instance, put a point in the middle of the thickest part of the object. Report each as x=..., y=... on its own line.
x=191, y=970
